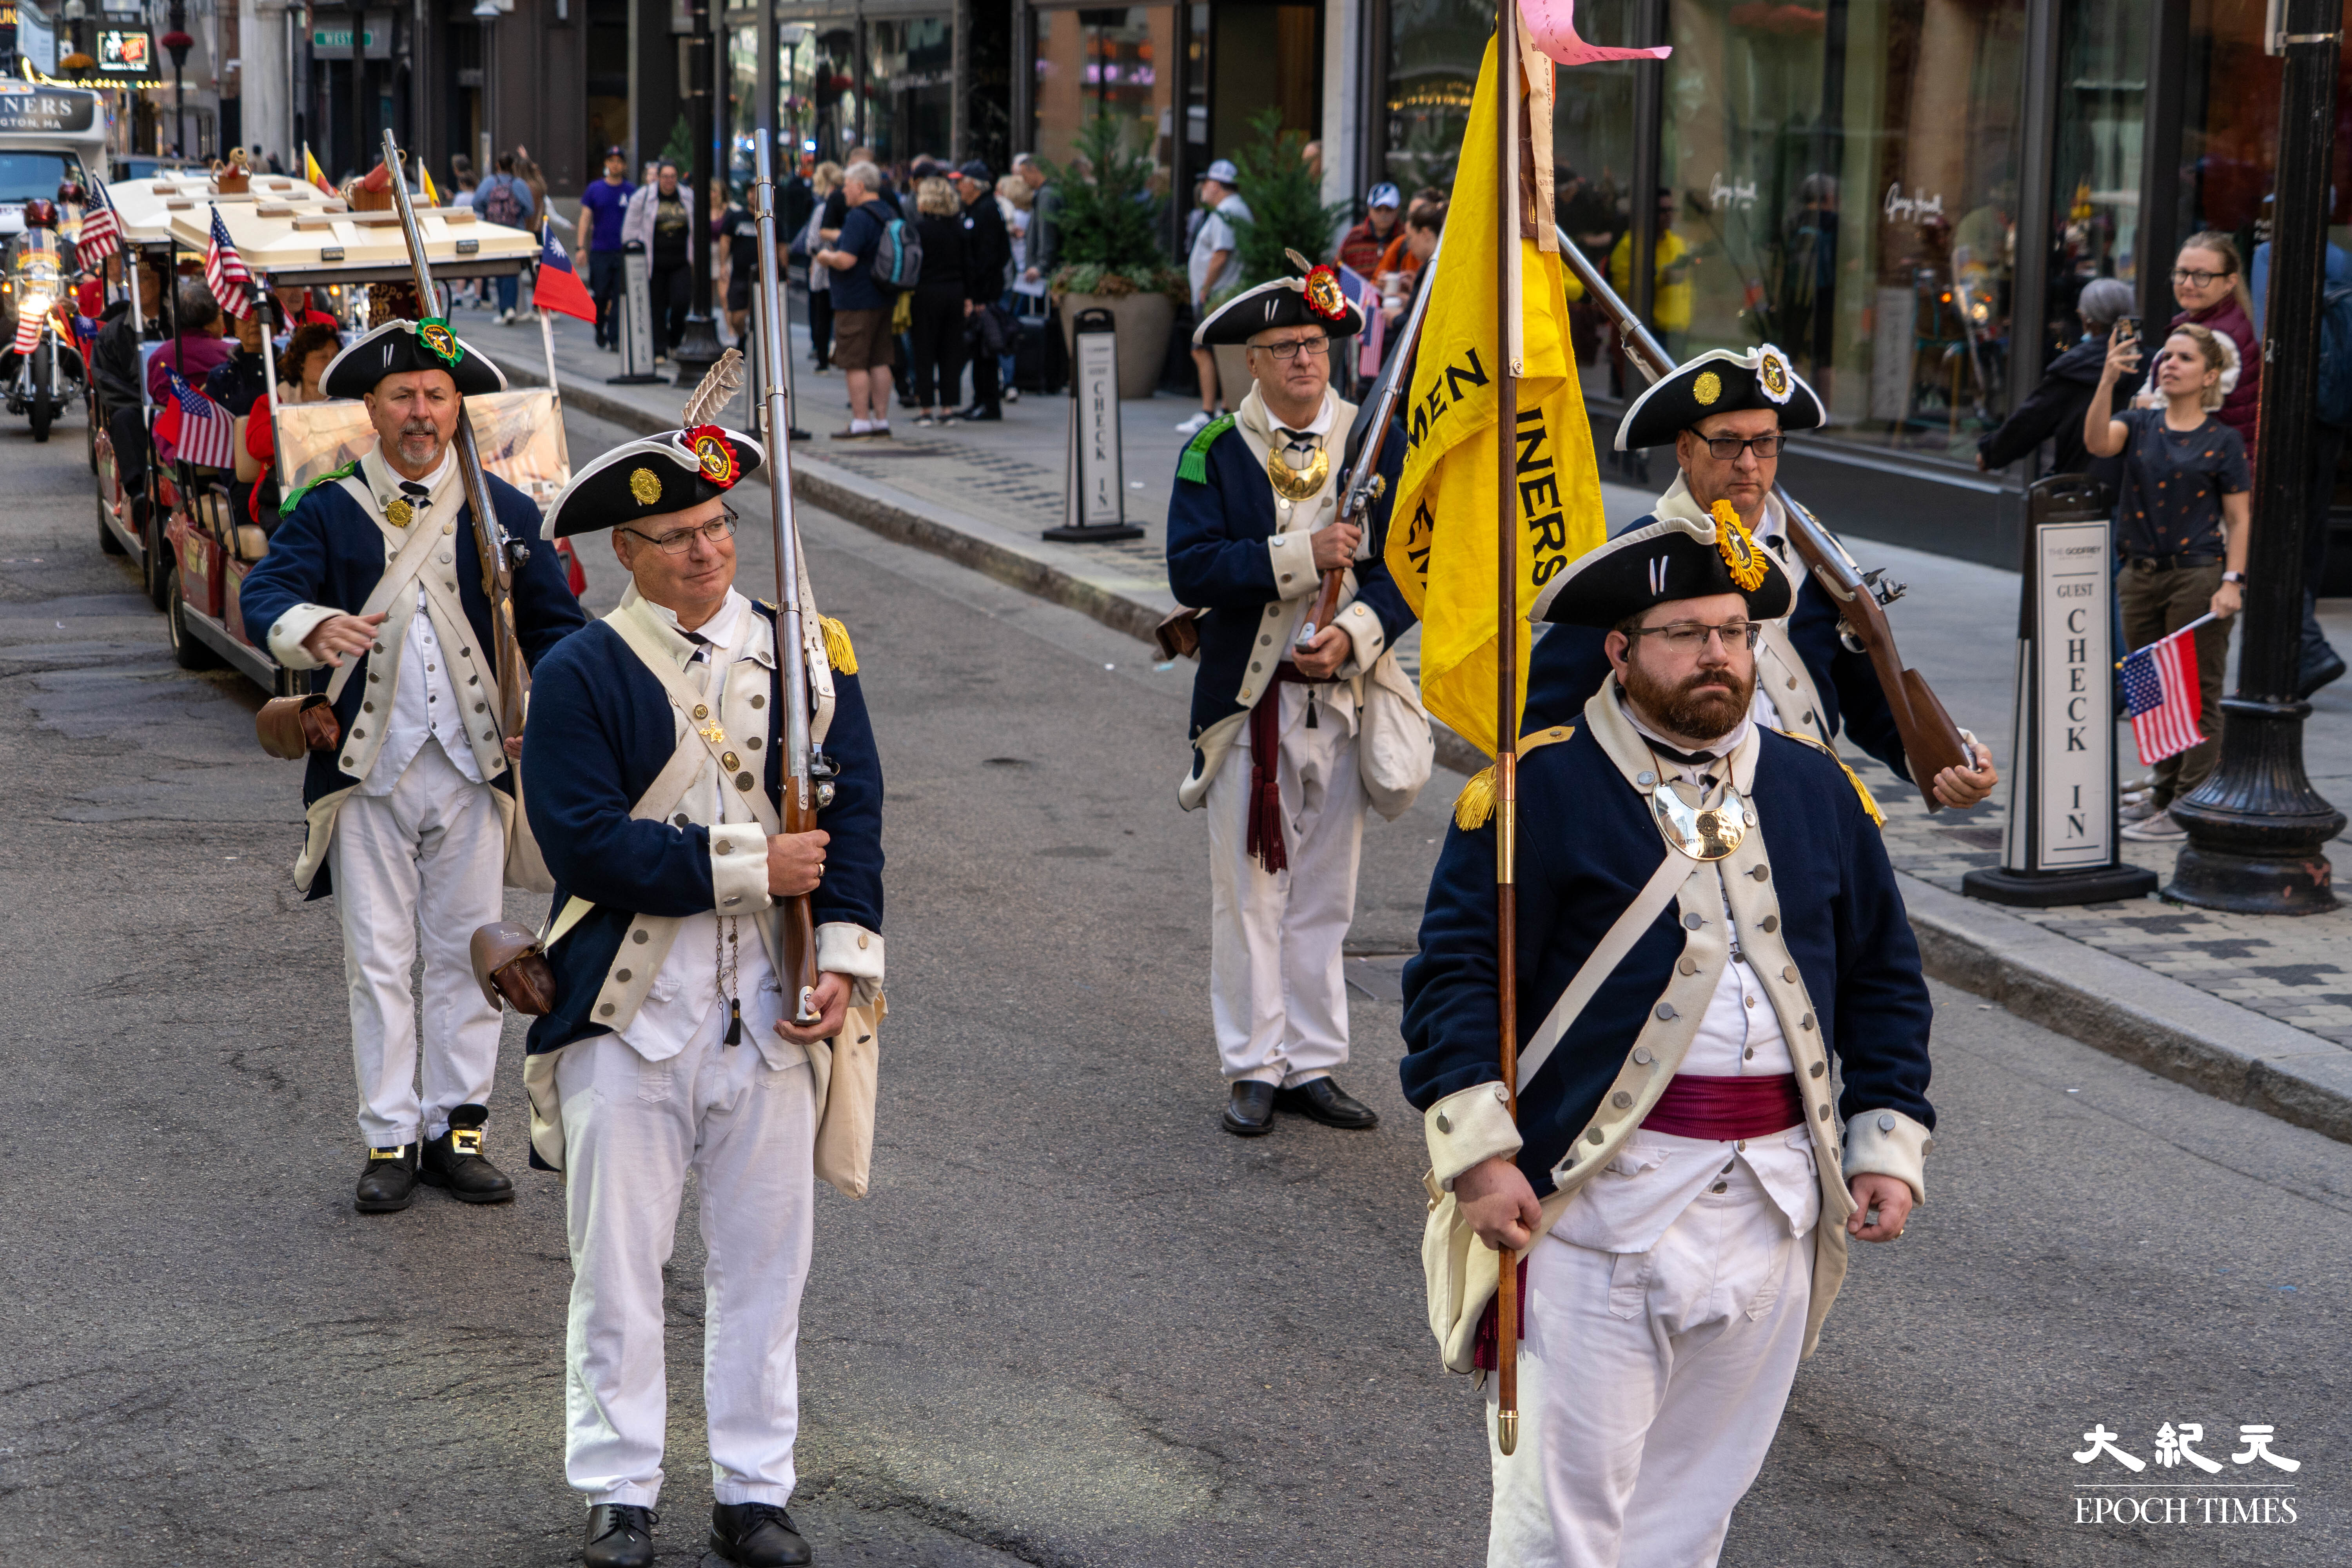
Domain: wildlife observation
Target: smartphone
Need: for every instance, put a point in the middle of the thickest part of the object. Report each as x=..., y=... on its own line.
x=2128, y=326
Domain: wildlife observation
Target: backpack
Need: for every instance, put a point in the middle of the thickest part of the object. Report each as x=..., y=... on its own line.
x=897, y=255
x=496, y=202
x=2334, y=404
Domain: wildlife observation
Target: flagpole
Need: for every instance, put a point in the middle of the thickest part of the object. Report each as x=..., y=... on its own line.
x=1506, y=664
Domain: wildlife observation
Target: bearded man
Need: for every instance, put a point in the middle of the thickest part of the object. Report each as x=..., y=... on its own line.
x=1706, y=914
x=374, y=574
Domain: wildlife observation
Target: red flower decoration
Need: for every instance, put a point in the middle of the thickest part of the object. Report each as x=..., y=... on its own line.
x=716, y=454
x=1323, y=295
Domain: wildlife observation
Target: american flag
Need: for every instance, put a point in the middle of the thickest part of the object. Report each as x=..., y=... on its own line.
x=192, y=428
x=2160, y=694
x=102, y=231
x=224, y=272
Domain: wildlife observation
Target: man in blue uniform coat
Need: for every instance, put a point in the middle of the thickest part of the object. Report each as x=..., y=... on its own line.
x=1727, y=416
x=657, y=760
x=1706, y=918
x=374, y=574
x=1253, y=525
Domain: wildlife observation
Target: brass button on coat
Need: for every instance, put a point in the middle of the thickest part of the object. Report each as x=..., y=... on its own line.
x=641, y=935
x=1443, y=1124
x=1622, y=1100
x=1769, y=924
x=730, y=760
x=1665, y=1011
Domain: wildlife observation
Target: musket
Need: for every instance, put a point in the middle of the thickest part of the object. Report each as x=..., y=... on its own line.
x=800, y=766
x=498, y=553
x=1365, y=483
x=1931, y=741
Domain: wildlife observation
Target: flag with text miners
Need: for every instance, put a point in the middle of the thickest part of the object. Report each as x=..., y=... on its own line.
x=224, y=272
x=558, y=287
x=2161, y=696
x=1441, y=536
x=192, y=428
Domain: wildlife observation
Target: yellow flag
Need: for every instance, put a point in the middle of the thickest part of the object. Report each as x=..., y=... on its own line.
x=1442, y=543
x=315, y=175
x=425, y=178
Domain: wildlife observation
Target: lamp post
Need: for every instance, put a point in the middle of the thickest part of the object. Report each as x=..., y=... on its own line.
x=700, y=348
x=177, y=42
x=2256, y=827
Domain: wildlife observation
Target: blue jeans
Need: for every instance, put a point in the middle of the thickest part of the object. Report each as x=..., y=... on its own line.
x=507, y=283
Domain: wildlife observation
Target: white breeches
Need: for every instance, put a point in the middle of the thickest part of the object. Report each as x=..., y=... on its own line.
x=430, y=856
x=1650, y=1386
x=1277, y=993
x=633, y=1128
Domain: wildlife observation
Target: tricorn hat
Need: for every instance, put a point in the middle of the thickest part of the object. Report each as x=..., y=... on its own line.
x=1719, y=381
x=398, y=346
x=1666, y=559
x=699, y=461
x=1315, y=300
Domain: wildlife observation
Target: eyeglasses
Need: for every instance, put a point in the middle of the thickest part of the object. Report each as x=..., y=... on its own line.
x=1312, y=348
x=679, y=541
x=2198, y=280
x=1689, y=637
x=1725, y=449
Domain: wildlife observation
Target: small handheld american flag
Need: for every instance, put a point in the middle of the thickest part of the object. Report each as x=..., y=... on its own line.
x=224, y=272
x=2161, y=696
x=102, y=231
x=192, y=428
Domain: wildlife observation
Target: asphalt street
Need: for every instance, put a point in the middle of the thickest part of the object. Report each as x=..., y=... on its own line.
x=1075, y=1323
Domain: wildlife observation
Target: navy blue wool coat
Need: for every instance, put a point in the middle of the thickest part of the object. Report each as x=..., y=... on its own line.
x=601, y=729
x=1586, y=847
x=1218, y=562
x=328, y=550
x=1570, y=664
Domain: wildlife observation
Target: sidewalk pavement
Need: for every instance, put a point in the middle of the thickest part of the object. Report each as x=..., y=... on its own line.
x=2251, y=1009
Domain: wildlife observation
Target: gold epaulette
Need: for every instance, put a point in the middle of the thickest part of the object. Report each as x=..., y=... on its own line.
x=838, y=653
x=1859, y=788
x=1475, y=804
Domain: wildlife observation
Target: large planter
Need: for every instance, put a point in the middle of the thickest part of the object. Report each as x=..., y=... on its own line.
x=1144, y=322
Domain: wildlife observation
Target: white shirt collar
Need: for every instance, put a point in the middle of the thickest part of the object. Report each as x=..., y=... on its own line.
x=723, y=629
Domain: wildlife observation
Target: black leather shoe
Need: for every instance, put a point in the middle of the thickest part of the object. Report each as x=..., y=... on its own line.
x=983, y=416
x=389, y=1183
x=2315, y=675
x=756, y=1535
x=455, y=1161
x=1249, y=1108
x=619, y=1536
x=1322, y=1100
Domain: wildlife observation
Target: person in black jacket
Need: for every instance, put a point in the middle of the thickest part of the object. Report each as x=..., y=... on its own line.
x=988, y=264
x=114, y=368
x=941, y=300
x=2053, y=410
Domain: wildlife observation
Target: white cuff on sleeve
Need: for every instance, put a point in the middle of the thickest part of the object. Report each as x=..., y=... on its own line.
x=286, y=636
x=1467, y=1128
x=1366, y=637
x=1889, y=1144
x=844, y=947
x=739, y=868
x=1293, y=557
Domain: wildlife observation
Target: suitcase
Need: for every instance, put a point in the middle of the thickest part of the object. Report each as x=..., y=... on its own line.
x=1039, y=363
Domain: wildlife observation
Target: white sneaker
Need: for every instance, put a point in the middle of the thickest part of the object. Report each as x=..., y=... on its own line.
x=2161, y=828
x=1012, y=394
x=2140, y=809
x=1195, y=424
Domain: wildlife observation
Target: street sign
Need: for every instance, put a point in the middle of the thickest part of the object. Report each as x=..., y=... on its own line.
x=2061, y=845
x=1096, y=512
x=335, y=42
x=636, y=323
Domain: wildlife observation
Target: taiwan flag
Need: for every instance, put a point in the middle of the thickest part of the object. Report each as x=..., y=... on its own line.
x=559, y=287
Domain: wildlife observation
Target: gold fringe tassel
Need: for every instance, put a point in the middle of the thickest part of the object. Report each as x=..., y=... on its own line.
x=1475, y=804
x=838, y=653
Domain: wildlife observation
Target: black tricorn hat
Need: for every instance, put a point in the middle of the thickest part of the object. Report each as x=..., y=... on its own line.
x=399, y=346
x=1666, y=559
x=663, y=473
x=1314, y=301
x=1719, y=381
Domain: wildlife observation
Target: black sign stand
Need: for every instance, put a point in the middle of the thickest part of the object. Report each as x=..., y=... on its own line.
x=1096, y=513
x=2062, y=844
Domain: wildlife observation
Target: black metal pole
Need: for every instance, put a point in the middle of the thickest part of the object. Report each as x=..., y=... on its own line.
x=700, y=348
x=2256, y=827
x=359, y=105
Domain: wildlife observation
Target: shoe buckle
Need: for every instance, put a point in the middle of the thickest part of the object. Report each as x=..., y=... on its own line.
x=465, y=1140
x=401, y=1153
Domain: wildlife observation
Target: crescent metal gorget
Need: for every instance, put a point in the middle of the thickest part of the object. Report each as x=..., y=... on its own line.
x=1702, y=832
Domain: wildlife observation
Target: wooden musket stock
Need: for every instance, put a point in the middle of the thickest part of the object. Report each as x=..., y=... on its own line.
x=1931, y=741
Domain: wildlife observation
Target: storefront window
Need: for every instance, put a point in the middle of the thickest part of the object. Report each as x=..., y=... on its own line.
x=742, y=99
x=1842, y=181
x=1109, y=63
x=910, y=77
x=1435, y=49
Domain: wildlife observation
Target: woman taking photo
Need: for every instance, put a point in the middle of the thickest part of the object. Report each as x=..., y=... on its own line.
x=2181, y=522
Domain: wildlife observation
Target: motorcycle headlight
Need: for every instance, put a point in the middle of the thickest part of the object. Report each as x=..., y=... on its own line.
x=36, y=304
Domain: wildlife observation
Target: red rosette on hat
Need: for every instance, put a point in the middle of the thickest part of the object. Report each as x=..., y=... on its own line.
x=716, y=454
x=1323, y=295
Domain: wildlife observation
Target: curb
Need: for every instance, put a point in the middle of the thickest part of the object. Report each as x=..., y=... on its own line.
x=2167, y=1027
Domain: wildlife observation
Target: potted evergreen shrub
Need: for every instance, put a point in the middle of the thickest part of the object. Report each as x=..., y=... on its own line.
x=1110, y=254
x=1286, y=212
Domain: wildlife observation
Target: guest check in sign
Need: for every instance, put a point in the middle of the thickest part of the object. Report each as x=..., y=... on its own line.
x=2061, y=841
x=1097, y=510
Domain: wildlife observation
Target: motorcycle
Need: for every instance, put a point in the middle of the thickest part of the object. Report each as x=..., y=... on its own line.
x=42, y=366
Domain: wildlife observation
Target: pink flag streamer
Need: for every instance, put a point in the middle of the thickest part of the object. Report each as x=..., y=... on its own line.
x=1551, y=28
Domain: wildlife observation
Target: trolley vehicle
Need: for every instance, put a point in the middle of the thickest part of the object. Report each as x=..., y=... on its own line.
x=210, y=543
